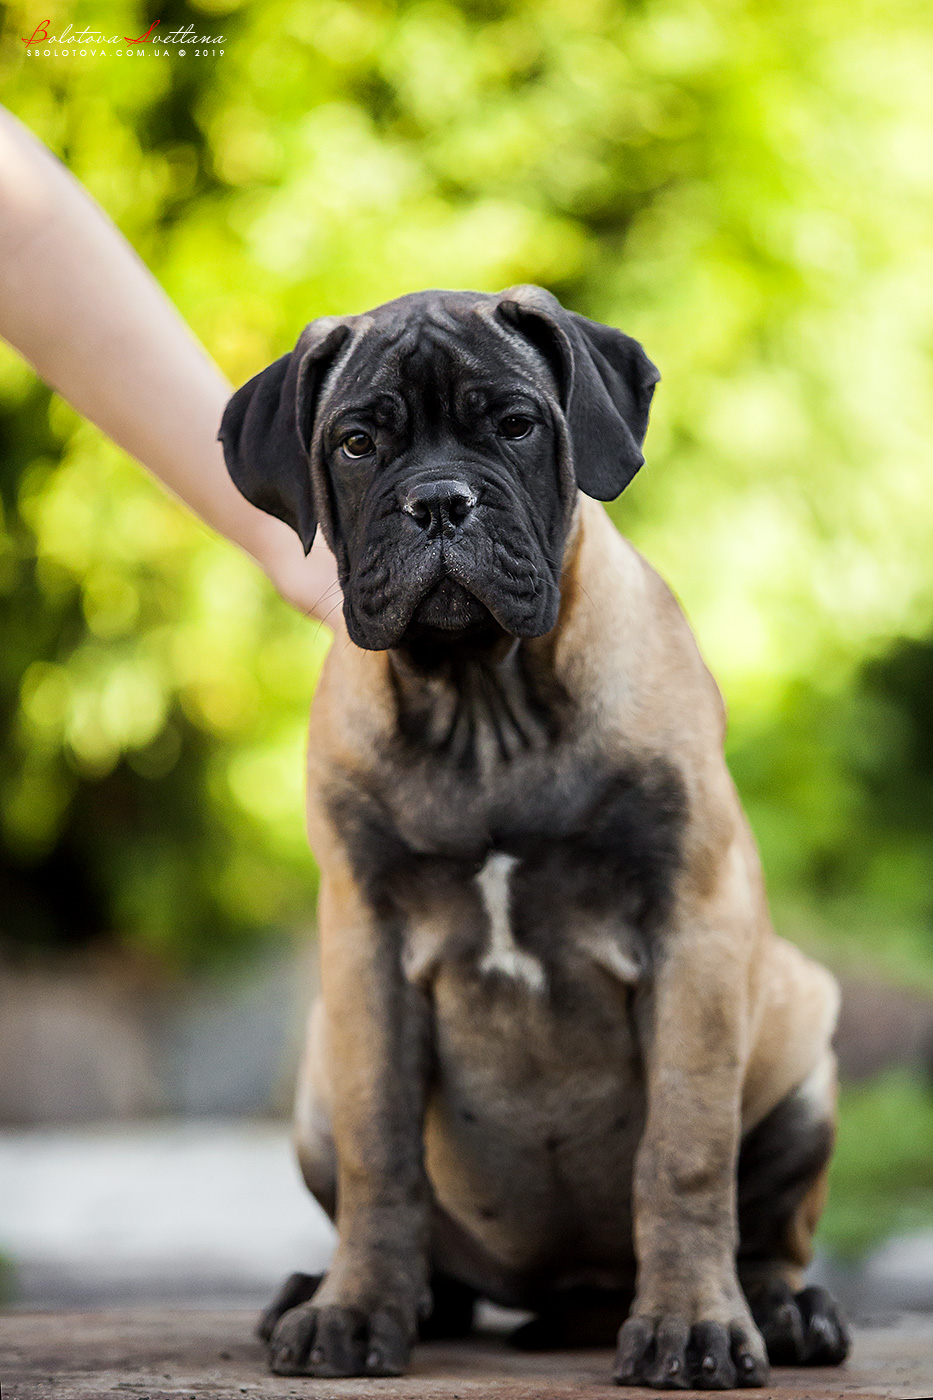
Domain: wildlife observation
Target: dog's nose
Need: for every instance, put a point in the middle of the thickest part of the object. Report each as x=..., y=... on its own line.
x=439, y=507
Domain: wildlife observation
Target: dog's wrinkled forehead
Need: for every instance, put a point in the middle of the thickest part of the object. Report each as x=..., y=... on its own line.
x=427, y=346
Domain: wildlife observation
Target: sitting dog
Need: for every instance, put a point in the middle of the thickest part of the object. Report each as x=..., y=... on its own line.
x=561, y=1060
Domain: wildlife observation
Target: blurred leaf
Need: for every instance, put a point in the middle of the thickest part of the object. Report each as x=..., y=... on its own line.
x=881, y=1178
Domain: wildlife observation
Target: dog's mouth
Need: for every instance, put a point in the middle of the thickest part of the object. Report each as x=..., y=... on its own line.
x=449, y=610
x=447, y=596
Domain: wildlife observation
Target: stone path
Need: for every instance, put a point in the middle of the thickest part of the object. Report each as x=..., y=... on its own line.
x=161, y=1219
x=164, y=1354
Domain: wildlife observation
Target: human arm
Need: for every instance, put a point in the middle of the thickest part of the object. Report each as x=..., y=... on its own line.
x=81, y=307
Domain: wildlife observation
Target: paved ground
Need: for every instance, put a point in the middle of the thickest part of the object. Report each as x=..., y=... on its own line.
x=163, y=1219
x=156, y=1354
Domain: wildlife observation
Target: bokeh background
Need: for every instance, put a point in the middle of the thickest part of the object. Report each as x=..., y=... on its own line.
x=747, y=187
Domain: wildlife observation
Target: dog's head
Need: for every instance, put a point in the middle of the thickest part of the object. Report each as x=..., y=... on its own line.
x=439, y=441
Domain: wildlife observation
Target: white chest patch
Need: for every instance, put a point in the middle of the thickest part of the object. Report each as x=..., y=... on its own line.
x=503, y=953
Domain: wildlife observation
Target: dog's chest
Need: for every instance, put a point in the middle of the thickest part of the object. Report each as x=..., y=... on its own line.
x=521, y=875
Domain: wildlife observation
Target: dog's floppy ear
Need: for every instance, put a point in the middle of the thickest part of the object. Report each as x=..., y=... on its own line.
x=268, y=424
x=606, y=382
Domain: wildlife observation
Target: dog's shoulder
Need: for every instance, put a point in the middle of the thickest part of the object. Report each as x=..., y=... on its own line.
x=625, y=649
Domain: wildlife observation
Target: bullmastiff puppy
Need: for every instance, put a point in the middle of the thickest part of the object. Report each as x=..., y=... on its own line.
x=561, y=1060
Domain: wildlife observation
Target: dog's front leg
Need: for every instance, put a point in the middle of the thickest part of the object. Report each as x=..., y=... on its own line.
x=690, y=1324
x=363, y=1318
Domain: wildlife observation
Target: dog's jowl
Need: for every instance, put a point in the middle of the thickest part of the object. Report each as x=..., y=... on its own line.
x=561, y=1060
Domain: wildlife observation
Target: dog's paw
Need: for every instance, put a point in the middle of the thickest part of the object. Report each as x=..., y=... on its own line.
x=668, y=1353
x=338, y=1341
x=801, y=1329
x=297, y=1288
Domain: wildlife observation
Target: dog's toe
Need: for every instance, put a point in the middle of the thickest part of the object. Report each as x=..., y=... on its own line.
x=340, y=1343
x=292, y=1341
x=826, y=1335
x=635, y=1345
x=668, y=1368
x=297, y=1288
x=749, y=1355
x=801, y=1329
x=388, y=1349
x=776, y=1312
x=711, y=1365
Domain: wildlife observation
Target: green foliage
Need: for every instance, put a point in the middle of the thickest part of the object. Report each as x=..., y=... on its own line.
x=881, y=1178
x=839, y=788
x=154, y=696
x=745, y=187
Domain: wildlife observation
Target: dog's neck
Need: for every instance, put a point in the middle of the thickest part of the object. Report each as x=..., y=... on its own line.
x=476, y=709
x=489, y=699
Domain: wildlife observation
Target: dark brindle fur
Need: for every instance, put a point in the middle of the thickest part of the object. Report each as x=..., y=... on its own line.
x=561, y=1059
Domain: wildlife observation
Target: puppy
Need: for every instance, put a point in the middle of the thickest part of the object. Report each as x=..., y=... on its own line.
x=561, y=1060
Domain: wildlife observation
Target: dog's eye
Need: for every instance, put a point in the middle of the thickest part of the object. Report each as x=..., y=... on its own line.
x=358, y=445
x=515, y=425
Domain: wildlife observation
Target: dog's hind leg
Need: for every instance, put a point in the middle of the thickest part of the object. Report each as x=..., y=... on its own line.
x=314, y=1137
x=783, y=1164
x=452, y=1307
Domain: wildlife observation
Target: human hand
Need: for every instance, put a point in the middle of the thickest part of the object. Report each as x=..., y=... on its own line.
x=309, y=582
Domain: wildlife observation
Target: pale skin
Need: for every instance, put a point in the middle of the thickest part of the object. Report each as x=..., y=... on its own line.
x=81, y=307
